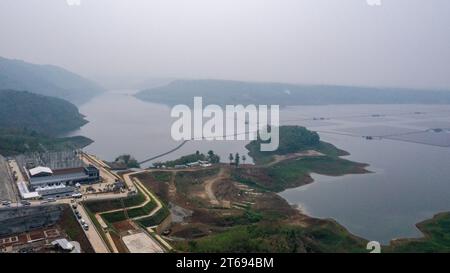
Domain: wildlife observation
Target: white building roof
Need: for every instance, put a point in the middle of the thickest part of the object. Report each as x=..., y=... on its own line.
x=31, y=195
x=46, y=187
x=63, y=243
x=40, y=169
x=24, y=192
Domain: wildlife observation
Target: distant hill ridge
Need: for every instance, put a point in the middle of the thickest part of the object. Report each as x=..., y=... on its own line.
x=42, y=114
x=46, y=80
x=223, y=92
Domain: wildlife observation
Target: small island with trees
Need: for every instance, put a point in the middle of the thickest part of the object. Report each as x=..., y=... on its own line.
x=300, y=153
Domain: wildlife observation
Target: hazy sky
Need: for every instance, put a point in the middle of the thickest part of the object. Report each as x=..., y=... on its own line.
x=400, y=43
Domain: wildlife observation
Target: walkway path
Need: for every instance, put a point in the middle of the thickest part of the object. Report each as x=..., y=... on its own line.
x=163, y=154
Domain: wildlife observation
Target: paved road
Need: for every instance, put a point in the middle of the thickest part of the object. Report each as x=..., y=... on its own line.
x=104, y=173
x=94, y=237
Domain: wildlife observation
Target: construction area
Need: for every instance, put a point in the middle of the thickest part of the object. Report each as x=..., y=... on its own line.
x=159, y=208
x=154, y=208
x=41, y=229
x=45, y=190
x=52, y=174
x=141, y=243
x=42, y=240
x=131, y=224
x=90, y=207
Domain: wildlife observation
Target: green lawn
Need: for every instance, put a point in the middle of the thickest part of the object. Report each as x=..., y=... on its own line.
x=113, y=217
x=118, y=216
x=106, y=205
x=145, y=210
x=155, y=219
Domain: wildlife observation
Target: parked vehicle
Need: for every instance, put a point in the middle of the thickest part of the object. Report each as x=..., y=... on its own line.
x=25, y=203
x=86, y=227
x=77, y=195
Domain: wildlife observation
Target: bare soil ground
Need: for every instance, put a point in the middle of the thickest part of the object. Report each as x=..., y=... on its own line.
x=210, y=183
x=160, y=188
x=123, y=226
x=215, y=199
x=279, y=158
x=6, y=181
x=219, y=201
x=37, y=240
x=118, y=243
x=225, y=189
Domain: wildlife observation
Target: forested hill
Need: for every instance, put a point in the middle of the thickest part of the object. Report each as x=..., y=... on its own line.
x=234, y=92
x=46, y=80
x=23, y=110
x=31, y=123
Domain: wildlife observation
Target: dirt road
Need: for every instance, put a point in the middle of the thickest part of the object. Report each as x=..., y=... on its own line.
x=280, y=158
x=210, y=183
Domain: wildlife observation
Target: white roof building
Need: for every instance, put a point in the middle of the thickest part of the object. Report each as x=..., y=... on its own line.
x=24, y=192
x=64, y=244
x=40, y=170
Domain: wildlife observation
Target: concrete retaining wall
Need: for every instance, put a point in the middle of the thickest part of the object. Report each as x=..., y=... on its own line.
x=22, y=219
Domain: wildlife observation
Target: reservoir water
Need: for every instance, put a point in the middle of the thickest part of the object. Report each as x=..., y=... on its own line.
x=121, y=124
x=410, y=164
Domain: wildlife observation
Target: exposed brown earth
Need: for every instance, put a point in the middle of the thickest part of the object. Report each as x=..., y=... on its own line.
x=218, y=201
x=123, y=226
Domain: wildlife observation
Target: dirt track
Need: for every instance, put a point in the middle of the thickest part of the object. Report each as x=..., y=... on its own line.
x=279, y=158
x=210, y=183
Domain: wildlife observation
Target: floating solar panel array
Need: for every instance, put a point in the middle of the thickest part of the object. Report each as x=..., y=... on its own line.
x=435, y=137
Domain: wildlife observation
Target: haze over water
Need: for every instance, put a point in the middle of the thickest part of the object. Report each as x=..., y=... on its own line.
x=121, y=124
